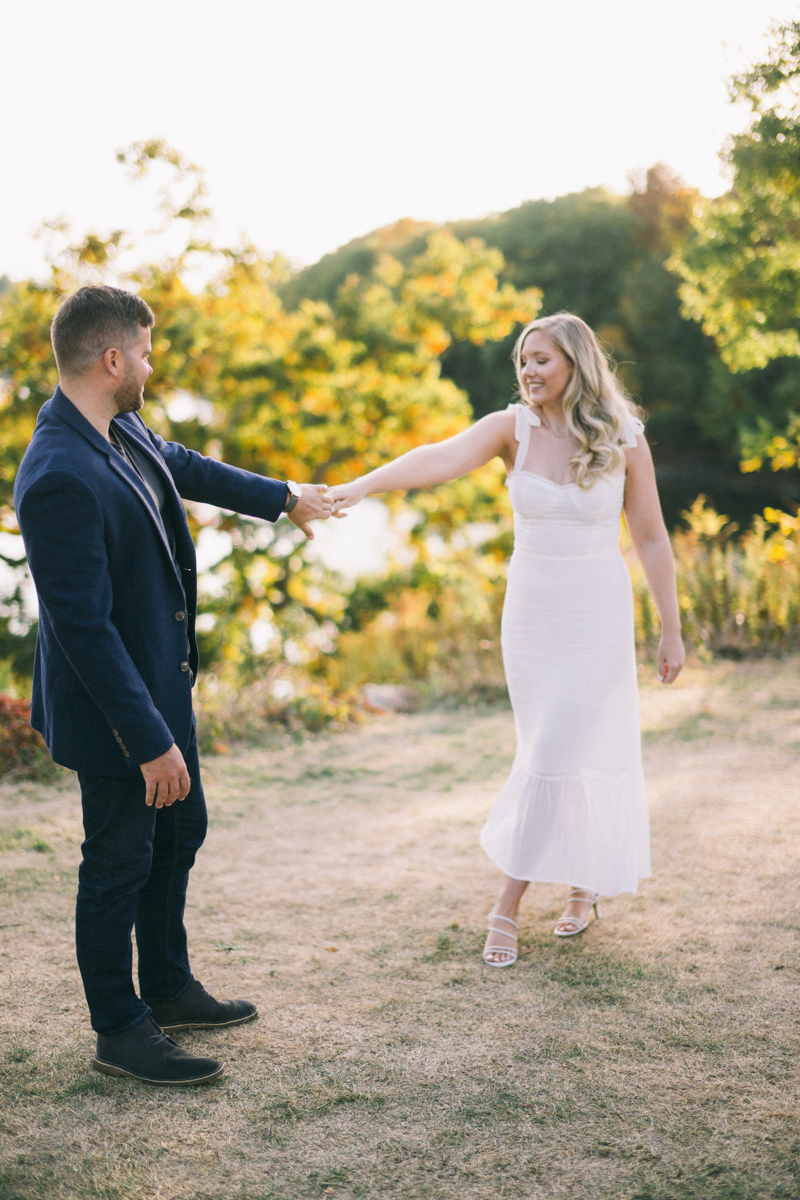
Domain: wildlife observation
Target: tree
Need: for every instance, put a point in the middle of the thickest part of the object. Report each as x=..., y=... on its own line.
x=324, y=392
x=606, y=257
x=741, y=269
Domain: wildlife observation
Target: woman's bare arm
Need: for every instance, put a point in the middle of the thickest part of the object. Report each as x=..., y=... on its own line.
x=438, y=462
x=652, y=545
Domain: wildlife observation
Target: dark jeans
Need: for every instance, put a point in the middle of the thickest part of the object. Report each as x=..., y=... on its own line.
x=135, y=869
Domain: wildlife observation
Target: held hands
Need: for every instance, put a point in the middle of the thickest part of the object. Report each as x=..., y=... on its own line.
x=166, y=778
x=313, y=505
x=671, y=657
x=345, y=495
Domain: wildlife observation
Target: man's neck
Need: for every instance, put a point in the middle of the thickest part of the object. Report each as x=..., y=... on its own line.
x=91, y=402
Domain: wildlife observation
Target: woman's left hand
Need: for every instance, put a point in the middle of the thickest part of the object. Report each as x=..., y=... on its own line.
x=671, y=657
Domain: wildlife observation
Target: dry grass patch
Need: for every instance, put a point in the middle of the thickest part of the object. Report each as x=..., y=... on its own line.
x=342, y=888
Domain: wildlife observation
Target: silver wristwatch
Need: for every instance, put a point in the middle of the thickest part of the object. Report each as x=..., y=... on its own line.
x=295, y=492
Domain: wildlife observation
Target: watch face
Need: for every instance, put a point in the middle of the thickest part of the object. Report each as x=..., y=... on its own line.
x=294, y=488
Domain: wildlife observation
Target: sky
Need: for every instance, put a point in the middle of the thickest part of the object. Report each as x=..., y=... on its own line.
x=317, y=121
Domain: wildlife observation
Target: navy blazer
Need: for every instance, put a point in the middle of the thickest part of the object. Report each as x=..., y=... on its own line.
x=116, y=654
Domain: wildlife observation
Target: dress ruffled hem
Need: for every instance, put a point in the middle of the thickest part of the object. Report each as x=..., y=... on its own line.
x=586, y=829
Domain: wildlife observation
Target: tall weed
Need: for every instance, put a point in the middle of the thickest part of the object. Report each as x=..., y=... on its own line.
x=439, y=625
x=436, y=626
x=739, y=594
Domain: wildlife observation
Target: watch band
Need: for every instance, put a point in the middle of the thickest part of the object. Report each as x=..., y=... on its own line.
x=295, y=492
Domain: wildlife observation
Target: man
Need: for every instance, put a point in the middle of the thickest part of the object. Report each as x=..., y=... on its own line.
x=98, y=499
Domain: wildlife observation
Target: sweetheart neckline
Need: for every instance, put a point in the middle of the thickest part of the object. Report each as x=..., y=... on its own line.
x=552, y=482
x=543, y=478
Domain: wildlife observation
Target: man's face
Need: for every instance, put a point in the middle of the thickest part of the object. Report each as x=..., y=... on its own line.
x=129, y=396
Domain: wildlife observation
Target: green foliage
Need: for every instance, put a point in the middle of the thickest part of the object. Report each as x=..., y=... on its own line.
x=575, y=250
x=328, y=373
x=228, y=713
x=435, y=625
x=578, y=250
x=741, y=269
x=781, y=449
x=322, y=393
x=739, y=594
x=322, y=280
x=606, y=257
x=142, y=156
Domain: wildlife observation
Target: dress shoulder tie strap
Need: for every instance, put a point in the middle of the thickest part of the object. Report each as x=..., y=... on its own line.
x=524, y=420
x=632, y=428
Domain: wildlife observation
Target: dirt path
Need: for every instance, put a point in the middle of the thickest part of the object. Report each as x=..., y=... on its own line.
x=342, y=888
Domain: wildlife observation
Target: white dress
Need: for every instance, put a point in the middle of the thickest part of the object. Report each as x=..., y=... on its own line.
x=574, y=809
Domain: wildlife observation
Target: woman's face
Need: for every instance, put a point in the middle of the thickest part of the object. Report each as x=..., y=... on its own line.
x=545, y=371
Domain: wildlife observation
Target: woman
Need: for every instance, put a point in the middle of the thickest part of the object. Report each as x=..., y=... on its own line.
x=574, y=809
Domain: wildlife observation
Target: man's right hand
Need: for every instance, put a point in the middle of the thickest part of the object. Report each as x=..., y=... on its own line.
x=166, y=777
x=313, y=505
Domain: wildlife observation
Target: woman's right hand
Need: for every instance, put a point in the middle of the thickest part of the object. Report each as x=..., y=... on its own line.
x=345, y=495
x=671, y=657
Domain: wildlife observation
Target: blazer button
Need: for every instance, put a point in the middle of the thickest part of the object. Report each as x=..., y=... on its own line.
x=179, y=616
x=184, y=666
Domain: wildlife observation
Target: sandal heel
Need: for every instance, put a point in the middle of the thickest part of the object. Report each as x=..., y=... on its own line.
x=593, y=901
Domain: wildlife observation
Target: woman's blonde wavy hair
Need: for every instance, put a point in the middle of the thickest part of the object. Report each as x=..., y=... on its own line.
x=596, y=406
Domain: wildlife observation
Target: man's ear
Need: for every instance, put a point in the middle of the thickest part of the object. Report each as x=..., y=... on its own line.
x=114, y=362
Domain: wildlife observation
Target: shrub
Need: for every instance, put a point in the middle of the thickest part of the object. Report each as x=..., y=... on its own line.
x=227, y=713
x=739, y=594
x=437, y=626
x=22, y=751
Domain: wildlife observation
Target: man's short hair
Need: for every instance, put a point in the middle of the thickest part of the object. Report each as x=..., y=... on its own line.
x=93, y=320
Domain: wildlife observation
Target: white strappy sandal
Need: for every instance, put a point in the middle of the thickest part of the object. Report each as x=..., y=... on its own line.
x=592, y=899
x=490, y=948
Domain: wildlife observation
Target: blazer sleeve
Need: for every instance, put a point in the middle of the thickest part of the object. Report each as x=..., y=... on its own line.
x=199, y=478
x=63, y=529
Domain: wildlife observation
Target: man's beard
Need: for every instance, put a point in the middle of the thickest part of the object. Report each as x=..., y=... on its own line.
x=129, y=396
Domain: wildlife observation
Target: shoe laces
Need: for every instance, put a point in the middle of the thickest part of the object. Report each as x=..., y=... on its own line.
x=160, y=1037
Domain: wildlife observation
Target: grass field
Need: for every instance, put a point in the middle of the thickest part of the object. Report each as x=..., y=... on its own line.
x=342, y=889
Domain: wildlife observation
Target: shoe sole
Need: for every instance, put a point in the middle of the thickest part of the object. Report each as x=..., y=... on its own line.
x=110, y=1069
x=207, y=1024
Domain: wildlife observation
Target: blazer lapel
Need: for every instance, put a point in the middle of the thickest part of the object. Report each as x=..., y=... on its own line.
x=61, y=406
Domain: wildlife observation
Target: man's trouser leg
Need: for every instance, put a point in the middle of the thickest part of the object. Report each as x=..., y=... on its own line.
x=135, y=869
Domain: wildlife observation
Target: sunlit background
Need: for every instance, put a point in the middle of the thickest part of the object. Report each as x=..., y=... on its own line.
x=468, y=164
x=319, y=120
